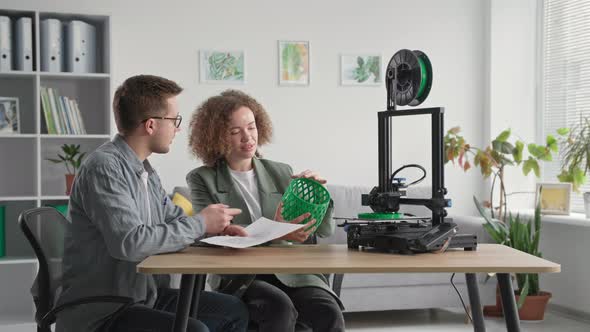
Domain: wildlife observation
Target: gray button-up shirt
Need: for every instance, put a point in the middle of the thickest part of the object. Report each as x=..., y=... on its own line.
x=113, y=228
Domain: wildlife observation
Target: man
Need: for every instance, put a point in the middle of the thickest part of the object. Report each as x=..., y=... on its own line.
x=120, y=214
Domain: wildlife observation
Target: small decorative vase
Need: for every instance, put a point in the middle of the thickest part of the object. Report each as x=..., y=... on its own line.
x=69, y=183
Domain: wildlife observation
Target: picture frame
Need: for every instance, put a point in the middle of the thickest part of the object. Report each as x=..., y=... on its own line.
x=9, y=116
x=555, y=198
x=222, y=66
x=294, y=62
x=361, y=69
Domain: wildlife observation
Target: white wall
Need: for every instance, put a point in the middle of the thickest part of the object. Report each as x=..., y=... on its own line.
x=564, y=240
x=513, y=71
x=483, y=55
x=324, y=127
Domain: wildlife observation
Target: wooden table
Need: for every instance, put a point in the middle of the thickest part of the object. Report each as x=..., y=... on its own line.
x=195, y=263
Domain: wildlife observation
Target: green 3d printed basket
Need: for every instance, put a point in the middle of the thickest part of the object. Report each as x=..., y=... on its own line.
x=305, y=195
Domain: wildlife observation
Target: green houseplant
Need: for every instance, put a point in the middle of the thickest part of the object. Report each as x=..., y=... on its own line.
x=72, y=159
x=575, y=156
x=523, y=234
x=503, y=152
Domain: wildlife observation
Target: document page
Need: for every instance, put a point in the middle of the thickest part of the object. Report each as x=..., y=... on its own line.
x=259, y=232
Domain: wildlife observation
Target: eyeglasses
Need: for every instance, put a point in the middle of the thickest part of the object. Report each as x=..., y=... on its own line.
x=177, y=119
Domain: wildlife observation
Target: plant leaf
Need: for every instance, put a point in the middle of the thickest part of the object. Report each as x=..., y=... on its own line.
x=496, y=145
x=454, y=130
x=545, y=153
x=535, y=150
x=495, y=228
x=507, y=148
x=517, y=151
x=524, y=291
x=552, y=143
x=578, y=177
x=477, y=158
x=531, y=164
x=503, y=136
x=565, y=176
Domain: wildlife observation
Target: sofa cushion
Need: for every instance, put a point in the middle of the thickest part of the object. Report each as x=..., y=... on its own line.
x=184, y=191
x=183, y=203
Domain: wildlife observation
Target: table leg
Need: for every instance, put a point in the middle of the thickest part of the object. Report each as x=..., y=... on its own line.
x=199, y=286
x=474, y=301
x=187, y=285
x=508, y=302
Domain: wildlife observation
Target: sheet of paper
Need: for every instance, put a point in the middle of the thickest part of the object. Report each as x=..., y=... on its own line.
x=259, y=232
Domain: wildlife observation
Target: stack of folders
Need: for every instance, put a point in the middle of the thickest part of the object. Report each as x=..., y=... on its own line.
x=62, y=114
x=16, y=47
x=68, y=46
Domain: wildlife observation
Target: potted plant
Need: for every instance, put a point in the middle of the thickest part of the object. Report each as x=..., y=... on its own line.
x=576, y=159
x=507, y=229
x=524, y=235
x=495, y=158
x=72, y=158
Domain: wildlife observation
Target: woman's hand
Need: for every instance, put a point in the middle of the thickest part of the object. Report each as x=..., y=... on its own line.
x=234, y=230
x=308, y=174
x=302, y=233
x=299, y=235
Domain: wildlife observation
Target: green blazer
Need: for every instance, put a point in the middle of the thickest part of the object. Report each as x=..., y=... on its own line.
x=212, y=185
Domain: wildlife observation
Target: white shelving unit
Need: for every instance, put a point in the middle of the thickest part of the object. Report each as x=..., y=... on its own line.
x=27, y=180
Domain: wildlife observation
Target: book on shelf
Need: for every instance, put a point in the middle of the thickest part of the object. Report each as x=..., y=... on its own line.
x=49, y=122
x=62, y=114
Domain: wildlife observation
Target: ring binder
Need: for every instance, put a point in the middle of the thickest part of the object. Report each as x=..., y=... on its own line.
x=24, y=44
x=51, y=45
x=5, y=43
x=81, y=47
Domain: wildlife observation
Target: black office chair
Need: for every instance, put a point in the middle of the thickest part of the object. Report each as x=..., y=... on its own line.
x=45, y=228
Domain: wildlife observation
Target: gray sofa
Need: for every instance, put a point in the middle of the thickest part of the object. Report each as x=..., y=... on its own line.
x=374, y=292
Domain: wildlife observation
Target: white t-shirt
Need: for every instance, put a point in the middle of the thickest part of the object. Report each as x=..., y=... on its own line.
x=248, y=187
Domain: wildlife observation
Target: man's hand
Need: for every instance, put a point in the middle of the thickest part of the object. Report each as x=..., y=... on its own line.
x=234, y=230
x=308, y=174
x=218, y=217
x=299, y=235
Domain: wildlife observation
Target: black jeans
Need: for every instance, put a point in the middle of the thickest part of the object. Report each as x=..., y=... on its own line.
x=217, y=312
x=276, y=307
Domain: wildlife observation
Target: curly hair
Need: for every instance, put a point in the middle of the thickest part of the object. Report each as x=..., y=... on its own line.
x=210, y=124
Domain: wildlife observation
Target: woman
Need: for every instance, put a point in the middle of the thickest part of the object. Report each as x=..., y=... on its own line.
x=225, y=133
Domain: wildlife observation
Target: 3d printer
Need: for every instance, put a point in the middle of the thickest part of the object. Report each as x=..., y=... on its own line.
x=408, y=82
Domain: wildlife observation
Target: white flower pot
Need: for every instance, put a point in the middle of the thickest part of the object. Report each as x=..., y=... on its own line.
x=587, y=204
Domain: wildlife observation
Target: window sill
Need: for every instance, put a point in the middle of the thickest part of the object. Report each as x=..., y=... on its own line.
x=573, y=219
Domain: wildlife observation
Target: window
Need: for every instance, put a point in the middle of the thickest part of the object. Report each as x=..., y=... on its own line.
x=565, y=74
